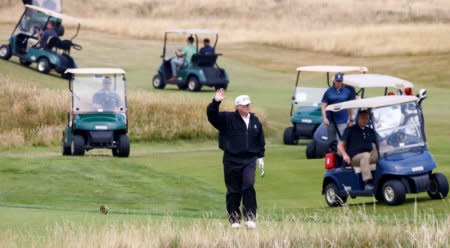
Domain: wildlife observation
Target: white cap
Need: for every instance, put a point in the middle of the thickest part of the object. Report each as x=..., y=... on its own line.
x=242, y=100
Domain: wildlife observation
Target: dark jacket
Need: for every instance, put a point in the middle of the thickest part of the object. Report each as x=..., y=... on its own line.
x=234, y=137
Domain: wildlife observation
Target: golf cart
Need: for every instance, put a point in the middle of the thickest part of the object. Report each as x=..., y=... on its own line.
x=378, y=84
x=202, y=70
x=306, y=112
x=24, y=41
x=405, y=165
x=99, y=113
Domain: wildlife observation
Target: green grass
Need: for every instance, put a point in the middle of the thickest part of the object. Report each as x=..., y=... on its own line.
x=184, y=179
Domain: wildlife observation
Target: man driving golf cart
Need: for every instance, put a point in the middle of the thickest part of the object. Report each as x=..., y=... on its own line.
x=404, y=165
x=36, y=38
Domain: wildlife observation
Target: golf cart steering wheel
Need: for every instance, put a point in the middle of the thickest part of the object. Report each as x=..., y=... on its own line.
x=77, y=47
x=396, y=138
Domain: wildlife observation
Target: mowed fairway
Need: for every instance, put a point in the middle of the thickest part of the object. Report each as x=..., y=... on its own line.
x=41, y=191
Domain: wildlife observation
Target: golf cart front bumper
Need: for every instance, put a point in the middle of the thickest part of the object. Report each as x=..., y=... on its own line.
x=100, y=139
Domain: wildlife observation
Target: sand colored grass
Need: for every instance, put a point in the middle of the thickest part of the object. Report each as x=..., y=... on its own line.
x=36, y=116
x=354, y=229
x=349, y=27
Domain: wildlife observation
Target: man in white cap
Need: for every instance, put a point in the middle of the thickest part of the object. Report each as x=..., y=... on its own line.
x=241, y=137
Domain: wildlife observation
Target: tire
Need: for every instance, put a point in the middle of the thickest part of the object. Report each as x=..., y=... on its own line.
x=311, y=150
x=66, y=150
x=332, y=196
x=78, y=145
x=114, y=152
x=43, y=65
x=438, y=186
x=193, y=84
x=289, y=136
x=24, y=62
x=5, y=52
x=393, y=192
x=158, y=83
x=123, y=148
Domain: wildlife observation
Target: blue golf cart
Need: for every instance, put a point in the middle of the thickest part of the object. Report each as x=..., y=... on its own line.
x=306, y=113
x=24, y=41
x=405, y=164
x=365, y=85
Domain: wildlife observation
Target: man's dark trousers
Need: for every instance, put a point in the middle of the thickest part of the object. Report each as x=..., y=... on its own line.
x=239, y=179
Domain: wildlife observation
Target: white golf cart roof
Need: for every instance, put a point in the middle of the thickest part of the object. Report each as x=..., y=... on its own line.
x=191, y=31
x=373, y=102
x=53, y=13
x=332, y=68
x=95, y=71
x=375, y=81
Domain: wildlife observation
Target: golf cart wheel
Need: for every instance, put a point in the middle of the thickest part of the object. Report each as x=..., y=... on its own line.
x=158, y=83
x=123, y=148
x=43, y=65
x=438, y=186
x=311, y=150
x=5, y=52
x=289, y=136
x=393, y=192
x=78, y=145
x=193, y=84
x=24, y=62
x=332, y=196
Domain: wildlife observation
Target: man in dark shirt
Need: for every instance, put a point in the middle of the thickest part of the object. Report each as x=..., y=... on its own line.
x=106, y=98
x=241, y=137
x=207, y=49
x=336, y=94
x=358, y=147
x=47, y=34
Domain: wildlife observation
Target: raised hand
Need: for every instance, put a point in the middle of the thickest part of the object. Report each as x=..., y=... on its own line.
x=220, y=95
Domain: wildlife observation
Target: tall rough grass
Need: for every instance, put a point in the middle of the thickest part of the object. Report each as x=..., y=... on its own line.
x=34, y=116
x=349, y=27
x=351, y=229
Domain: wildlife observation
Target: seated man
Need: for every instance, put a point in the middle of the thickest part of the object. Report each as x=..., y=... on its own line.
x=45, y=36
x=182, y=57
x=106, y=98
x=358, y=149
x=207, y=49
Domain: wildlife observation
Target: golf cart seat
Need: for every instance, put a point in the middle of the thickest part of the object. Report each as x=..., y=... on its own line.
x=204, y=60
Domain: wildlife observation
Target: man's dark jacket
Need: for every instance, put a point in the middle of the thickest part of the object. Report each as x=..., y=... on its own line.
x=234, y=137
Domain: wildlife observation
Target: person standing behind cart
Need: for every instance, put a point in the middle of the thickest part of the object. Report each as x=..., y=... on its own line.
x=241, y=137
x=336, y=94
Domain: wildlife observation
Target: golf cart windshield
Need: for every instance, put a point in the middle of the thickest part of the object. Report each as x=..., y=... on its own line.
x=398, y=127
x=54, y=5
x=307, y=97
x=31, y=23
x=98, y=93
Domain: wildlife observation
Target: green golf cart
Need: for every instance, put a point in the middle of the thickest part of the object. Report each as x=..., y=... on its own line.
x=202, y=70
x=99, y=113
x=24, y=41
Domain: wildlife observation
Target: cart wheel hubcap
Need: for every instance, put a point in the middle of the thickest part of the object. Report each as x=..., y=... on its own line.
x=42, y=65
x=389, y=193
x=331, y=195
x=156, y=82
x=191, y=84
x=3, y=51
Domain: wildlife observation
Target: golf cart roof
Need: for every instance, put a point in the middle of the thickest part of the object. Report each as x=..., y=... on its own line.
x=373, y=102
x=376, y=80
x=53, y=13
x=332, y=68
x=95, y=71
x=192, y=31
